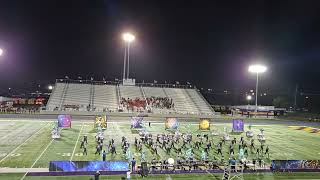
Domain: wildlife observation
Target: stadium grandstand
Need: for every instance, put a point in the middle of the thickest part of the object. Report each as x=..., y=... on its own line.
x=96, y=96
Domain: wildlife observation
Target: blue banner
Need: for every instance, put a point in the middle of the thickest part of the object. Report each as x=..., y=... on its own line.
x=73, y=166
x=295, y=164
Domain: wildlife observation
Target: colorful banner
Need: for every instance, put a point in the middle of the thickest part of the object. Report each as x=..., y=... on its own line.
x=204, y=124
x=72, y=166
x=136, y=122
x=64, y=121
x=171, y=123
x=295, y=164
x=238, y=125
x=100, y=121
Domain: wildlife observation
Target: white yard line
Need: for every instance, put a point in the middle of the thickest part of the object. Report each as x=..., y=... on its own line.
x=22, y=144
x=75, y=146
x=210, y=173
x=38, y=158
x=42, y=153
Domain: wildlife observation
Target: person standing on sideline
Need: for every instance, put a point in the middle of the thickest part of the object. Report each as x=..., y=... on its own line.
x=128, y=175
x=104, y=155
x=149, y=124
x=133, y=165
x=97, y=175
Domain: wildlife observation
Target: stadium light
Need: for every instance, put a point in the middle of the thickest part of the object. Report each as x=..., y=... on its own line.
x=249, y=97
x=257, y=68
x=128, y=38
x=50, y=87
x=1, y=52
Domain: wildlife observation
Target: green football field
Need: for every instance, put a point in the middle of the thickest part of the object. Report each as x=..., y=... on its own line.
x=28, y=144
x=258, y=176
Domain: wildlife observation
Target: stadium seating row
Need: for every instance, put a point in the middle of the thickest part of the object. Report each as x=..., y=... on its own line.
x=90, y=97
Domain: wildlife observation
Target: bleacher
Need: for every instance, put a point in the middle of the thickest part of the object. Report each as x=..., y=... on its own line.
x=77, y=94
x=105, y=98
x=200, y=102
x=130, y=92
x=102, y=97
x=183, y=103
x=157, y=92
x=56, y=96
x=154, y=91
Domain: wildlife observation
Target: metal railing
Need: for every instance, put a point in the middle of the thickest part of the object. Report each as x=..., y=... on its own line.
x=80, y=81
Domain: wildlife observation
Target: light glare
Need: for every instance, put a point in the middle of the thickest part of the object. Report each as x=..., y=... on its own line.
x=257, y=68
x=128, y=37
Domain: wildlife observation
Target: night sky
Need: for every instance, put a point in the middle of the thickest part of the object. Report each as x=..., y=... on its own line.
x=208, y=43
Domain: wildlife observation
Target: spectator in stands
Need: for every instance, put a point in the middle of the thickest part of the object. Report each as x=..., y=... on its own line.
x=141, y=104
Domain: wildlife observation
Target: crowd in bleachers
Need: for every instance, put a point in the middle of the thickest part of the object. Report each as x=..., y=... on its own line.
x=141, y=103
x=131, y=104
x=19, y=110
x=160, y=102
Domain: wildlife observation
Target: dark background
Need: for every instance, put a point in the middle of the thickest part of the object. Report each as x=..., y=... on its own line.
x=207, y=43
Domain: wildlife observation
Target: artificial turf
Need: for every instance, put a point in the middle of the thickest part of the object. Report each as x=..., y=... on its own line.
x=256, y=176
x=29, y=144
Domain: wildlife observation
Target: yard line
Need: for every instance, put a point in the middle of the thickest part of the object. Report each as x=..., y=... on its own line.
x=22, y=144
x=38, y=158
x=75, y=146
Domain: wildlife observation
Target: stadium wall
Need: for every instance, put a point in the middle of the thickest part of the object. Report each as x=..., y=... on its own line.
x=121, y=114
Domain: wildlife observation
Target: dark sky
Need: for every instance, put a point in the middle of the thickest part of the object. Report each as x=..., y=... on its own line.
x=209, y=43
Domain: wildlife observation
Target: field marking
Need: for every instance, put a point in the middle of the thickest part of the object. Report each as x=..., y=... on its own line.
x=75, y=146
x=13, y=151
x=8, y=134
x=24, y=120
x=15, y=130
x=210, y=173
x=38, y=158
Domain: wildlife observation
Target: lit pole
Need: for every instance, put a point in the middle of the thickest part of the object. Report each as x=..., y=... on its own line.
x=257, y=69
x=128, y=38
x=249, y=97
x=50, y=87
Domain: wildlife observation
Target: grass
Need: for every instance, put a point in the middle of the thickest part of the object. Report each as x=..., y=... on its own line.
x=260, y=176
x=284, y=143
x=29, y=144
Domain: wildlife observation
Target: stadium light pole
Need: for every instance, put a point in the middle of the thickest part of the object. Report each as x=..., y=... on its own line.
x=257, y=68
x=128, y=38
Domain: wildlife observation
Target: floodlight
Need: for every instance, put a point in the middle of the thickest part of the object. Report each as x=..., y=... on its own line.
x=257, y=68
x=128, y=37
